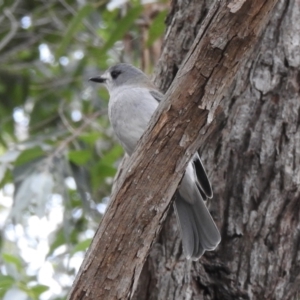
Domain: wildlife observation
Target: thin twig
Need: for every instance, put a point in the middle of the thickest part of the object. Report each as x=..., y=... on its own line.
x=13, y=29
x=43, y=123
x=11, y=9
x=77, y=132
x=64, y=119
x=26, y=45
x=85, y=22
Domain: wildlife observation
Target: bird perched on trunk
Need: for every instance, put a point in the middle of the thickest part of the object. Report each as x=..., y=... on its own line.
x=133, y=100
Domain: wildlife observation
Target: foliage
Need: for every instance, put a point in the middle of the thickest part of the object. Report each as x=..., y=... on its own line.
x=58, y=153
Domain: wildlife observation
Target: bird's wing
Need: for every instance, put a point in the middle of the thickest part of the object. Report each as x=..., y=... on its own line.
x=157, y=95
x=203, y=183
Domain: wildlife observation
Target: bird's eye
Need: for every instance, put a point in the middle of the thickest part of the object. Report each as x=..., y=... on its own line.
x=115, y=74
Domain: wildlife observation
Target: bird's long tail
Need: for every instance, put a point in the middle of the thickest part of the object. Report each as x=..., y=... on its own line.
x=199, y=231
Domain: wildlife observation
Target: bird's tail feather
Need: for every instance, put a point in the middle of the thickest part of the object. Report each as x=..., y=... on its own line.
x=198, y=230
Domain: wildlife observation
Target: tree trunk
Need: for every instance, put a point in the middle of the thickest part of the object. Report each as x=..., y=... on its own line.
x=113, y=264
x=253, y=160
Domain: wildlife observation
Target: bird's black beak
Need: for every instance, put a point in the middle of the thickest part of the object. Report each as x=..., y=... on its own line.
x=98, y=79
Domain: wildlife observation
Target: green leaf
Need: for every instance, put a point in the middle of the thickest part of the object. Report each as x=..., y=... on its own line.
x=11, y=259
x=111, y=156
x=6, y=282
x=6, y=160
x=106, y=170
x=79, y=157
x=90, y=137
x=122, y=27
x=29, y=155
x=157, y=27
x=105, y=167
x=82, y=246
x=71, y=30
x=99, y=172
x=38, y=290
x=58, y=241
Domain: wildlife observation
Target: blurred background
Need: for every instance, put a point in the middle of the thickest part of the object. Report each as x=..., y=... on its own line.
x=58, y=155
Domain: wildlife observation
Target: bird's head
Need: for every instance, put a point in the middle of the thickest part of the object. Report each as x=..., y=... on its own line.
x=122, y=75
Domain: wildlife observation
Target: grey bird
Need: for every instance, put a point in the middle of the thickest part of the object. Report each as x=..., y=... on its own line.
x=133, y=100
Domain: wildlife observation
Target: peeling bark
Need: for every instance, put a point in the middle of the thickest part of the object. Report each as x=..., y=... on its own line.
x=253, y=160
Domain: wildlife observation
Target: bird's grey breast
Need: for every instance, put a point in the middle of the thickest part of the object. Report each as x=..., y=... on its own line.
x=130, y=110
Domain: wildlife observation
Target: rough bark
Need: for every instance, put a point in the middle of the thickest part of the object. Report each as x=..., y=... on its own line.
x=253, y=160
x=115, y=259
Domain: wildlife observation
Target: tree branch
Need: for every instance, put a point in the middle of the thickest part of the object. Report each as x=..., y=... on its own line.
x=13, y=28
x=182, y=122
